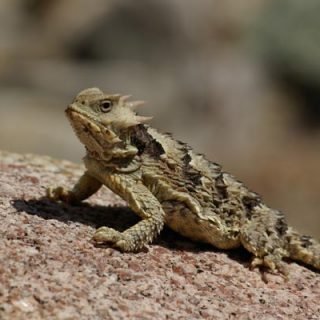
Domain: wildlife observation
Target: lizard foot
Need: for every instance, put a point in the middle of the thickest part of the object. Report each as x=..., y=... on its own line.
x=113, y=237
x=271, y=263
x=60, y=194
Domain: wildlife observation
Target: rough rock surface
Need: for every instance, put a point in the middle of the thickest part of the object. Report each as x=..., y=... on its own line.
x=50, y=269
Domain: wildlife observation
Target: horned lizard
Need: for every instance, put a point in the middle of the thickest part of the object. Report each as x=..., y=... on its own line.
x=165, y=182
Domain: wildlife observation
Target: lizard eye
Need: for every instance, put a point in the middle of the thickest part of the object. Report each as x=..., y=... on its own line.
x=105, y=106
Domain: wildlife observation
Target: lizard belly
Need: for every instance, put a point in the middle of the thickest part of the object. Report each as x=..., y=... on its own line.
x=182, y=220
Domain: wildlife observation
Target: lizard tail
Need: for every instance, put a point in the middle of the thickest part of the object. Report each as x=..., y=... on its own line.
x=303, y=248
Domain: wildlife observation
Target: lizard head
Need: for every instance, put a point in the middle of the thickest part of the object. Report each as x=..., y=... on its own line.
x=102, y=122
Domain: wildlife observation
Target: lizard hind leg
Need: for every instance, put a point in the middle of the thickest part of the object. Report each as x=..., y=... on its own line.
x=303, y=248
x=263, y=236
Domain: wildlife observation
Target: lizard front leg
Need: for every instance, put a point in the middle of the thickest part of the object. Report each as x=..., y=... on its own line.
x=145, y=204
x=83, y=189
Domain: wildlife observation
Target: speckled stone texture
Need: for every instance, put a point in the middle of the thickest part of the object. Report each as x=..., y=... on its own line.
x=50, y=269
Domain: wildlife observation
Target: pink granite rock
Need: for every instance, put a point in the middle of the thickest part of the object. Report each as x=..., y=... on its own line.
x=50, y=269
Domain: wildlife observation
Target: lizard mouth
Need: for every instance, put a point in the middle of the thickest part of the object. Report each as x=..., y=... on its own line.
x=88, y=129
x=85, y=121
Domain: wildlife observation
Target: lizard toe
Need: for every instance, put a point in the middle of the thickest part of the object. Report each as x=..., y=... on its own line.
x=107, y=235
x=271, y=263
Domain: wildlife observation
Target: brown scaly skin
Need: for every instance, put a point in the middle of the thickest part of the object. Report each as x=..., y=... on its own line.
x=165, y=182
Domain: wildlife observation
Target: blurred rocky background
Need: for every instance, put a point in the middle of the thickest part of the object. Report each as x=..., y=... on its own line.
x=237, y=80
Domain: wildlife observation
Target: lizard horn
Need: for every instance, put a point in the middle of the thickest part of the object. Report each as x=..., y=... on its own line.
x=141, y=119
x=115, y=96
x=124, y=98
x=134, y=104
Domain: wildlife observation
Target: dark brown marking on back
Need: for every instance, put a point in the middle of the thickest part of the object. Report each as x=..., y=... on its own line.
x=306, y=241
x=251, y=200
x=145, y=143
x=221, y=186
x=190, y=172
x=281, y=225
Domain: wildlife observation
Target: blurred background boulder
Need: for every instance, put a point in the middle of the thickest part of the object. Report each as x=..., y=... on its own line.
x=239, y=81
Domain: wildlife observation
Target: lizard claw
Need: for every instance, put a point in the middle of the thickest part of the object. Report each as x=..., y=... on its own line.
x=111, y=236
x=271, y=263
